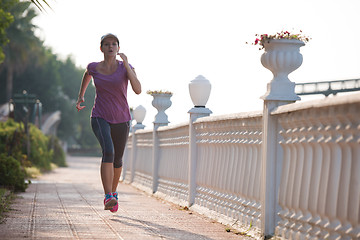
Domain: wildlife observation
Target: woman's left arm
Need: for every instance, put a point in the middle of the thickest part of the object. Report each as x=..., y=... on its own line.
x=134, y=81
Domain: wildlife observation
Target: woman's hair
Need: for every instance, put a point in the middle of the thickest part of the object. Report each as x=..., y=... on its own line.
x=107, y=36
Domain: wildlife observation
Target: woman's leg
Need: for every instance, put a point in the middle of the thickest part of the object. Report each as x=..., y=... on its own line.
x=107, y=175
x=102, y=131
x=116, y=178
x=119, y=134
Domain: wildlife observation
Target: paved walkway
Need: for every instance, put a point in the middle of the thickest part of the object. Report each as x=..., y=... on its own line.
x=68, y=204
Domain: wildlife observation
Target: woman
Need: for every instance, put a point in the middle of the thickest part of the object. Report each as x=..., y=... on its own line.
x=110, y=116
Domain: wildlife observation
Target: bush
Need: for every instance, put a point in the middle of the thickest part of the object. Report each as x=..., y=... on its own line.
x=12, y=176
x=43, y=150
x=6, y=197
x=12, y=140
x=40, y=154
x=58, y=152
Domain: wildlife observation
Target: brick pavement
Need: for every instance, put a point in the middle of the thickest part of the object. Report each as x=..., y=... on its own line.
x=68, y=204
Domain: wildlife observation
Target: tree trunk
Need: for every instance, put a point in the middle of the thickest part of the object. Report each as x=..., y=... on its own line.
x=9, y=82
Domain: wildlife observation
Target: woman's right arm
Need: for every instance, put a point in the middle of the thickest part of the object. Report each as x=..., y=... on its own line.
x=84, y=84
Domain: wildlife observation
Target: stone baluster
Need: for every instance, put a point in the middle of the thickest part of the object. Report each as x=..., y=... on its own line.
x=305, y=186
x=314, y=195
x=354, y=188
x=348, y=162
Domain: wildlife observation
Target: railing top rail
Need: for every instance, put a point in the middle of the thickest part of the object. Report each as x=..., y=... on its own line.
x=143, y=131
x=242, y=115
x=332, y=81
x=321, y=103
x=175, y=126
x=328, y=87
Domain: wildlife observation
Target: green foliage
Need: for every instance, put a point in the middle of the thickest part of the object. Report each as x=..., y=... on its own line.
x=12, y=176
x=12, y=141
x=23, y=43
x=43, y=151
x=31, y=66
x=261, y=39
x=5, y=199
x=59, y=157
x=60, y=94
x=40, y=155
x=5, y=20
x=39, y=5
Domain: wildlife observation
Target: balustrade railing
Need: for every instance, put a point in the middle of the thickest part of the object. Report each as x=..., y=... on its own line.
x=139, y=169
x=319, y=191
x=229, y=166
x=292, y=170
x=173, y=161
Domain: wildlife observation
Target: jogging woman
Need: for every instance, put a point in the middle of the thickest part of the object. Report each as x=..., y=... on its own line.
x=110, y=116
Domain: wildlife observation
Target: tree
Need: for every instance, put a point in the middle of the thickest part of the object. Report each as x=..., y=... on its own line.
x=23, y=43
x=31, y=66
x=5, y=20
x=39, y=5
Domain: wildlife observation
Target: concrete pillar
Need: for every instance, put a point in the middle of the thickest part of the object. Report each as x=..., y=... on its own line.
x=161, y=102
x=155, y=156
x=272, y=155
x=195, y=113
x=199, y=90
x=138, y=114
x=281, y=57
x=136, y=127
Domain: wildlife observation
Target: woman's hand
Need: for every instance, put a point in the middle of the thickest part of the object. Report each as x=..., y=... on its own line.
x=79, y=101
x=123, y=57
x=134, y=81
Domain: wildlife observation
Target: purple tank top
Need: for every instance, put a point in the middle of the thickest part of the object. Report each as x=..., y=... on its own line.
x=111, y=94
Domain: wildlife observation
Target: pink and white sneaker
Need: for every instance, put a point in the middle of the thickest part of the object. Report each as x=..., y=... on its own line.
x=109, y=201
x=115, y=208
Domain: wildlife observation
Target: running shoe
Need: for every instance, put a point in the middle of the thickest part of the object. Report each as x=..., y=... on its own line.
x=115, y=208
x=109, y=201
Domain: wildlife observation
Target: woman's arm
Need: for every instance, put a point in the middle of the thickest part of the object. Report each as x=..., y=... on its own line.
x=134, y=81
x=84, y=84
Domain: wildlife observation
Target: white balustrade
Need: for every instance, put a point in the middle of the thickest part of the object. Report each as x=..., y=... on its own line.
x=126, y=170
x=143, y=161
x=173, y=161
x=292, y=169
x=320, y=175
x=229, y=166
x=319, y=187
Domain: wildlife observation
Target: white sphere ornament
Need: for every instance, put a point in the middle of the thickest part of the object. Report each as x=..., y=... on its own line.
x=199, y=90
x=139, y=114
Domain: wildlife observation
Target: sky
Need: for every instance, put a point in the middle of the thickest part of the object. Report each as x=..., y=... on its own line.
x=171, y=42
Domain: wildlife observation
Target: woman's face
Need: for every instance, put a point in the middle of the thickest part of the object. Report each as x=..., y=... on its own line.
x=110, y=46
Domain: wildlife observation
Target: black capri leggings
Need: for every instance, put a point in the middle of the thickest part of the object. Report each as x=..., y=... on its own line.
x=112, y=139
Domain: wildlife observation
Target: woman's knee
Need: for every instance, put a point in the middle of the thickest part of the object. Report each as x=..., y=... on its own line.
x=118, y=164
x=108, y=156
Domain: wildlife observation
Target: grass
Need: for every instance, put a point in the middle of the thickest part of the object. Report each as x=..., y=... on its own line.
x=32, y=172
x=243, y=233
x=6, y=198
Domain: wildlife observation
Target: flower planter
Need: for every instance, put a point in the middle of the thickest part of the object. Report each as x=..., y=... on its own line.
x=281, y=57
x=161, y=102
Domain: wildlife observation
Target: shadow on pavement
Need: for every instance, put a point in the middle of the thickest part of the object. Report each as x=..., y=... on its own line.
x=159, y=230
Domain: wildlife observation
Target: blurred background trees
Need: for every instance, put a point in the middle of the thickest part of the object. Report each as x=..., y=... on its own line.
x=26, y=64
